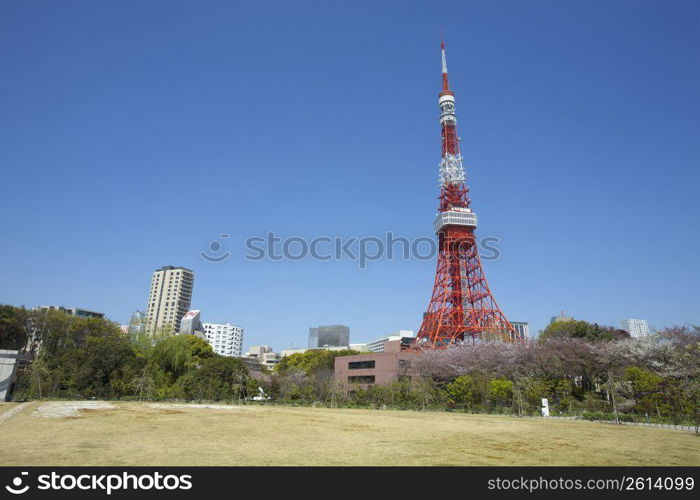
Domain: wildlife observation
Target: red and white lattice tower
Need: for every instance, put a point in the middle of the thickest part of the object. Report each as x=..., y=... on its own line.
x=462, y=306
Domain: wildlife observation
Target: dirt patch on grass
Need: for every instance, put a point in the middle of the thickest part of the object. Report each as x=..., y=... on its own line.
x=70, y=409
x=170, y=406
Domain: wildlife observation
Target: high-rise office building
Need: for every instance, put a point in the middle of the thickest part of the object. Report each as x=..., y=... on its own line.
x=137, y=323
x=523, y=329
x=635, y=327
x=329, y=336
x=169, y=300
x=226, y=339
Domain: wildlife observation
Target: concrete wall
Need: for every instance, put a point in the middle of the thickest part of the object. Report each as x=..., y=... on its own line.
x=8, y=372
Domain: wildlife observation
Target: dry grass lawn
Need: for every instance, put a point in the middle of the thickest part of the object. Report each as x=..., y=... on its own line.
x=167, y=435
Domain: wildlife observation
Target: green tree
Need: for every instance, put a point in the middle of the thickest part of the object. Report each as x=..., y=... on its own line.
x=179, y=353
x=581, y=330
x=13, y=330
x=312, y=361
x=460, y=392
x=217, y=378
x=501, y=391
x=102, y=364
x=78, y=357
x=563, y=391
x=644, y=387
x=533, y=390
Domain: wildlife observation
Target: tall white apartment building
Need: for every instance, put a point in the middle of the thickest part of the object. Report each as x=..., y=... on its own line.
x=169, y=300
x=226, y=339
x=635, y=327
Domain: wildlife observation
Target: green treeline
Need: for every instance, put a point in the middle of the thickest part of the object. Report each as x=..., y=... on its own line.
x=91, y=358
x=581, y=368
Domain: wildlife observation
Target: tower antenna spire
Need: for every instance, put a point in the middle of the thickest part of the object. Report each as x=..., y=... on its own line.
x=445, y=82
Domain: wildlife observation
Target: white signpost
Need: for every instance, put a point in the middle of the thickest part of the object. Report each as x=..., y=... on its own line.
x=545, y=407
x=262, y=396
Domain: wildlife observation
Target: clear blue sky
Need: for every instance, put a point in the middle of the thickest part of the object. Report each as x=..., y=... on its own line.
x=133, y=133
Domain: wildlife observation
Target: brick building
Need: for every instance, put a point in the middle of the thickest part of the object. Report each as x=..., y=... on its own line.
x=377, y=368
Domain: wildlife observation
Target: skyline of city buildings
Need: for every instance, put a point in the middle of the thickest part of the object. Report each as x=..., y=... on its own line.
x=169, y=299
x=226, y=339
x=230, y=342
x=138, y=324
x=171, y=291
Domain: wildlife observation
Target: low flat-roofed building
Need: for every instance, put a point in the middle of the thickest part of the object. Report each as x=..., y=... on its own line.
x=288, y=352
x=394, y=363
x=269, y=359
x=378, y=345
x=264, y=355
x=73, y=311
x=84, y=313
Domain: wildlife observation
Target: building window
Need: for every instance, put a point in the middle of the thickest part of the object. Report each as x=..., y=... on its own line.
x=361, y=379
x=359, y=365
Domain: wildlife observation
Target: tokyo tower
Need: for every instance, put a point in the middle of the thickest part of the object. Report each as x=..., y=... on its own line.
x=462, y=306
